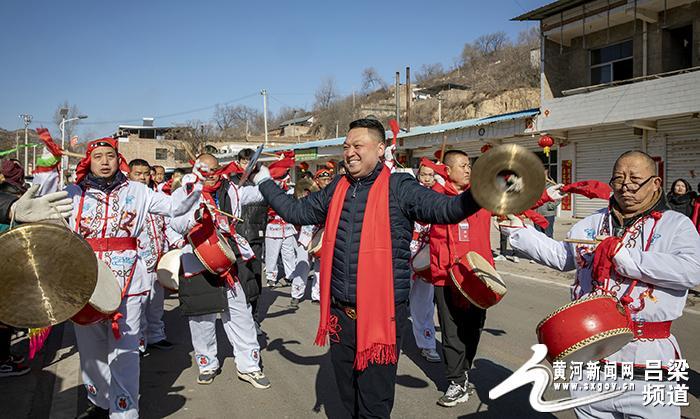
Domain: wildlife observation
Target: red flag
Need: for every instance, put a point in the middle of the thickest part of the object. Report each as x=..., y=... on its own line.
x=45, y=136
x=589, y=188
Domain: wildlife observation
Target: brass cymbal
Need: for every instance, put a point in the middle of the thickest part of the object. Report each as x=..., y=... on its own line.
x=47, y=275
x=493, y=173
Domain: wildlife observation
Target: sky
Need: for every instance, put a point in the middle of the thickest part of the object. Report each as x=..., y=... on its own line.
x=119, y=61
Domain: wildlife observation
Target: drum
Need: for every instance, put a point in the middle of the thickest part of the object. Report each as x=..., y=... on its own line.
x=105, y=299
x=585, y=330
x=477, y=280
x=210, y=247
x=168, y=271
x=421, y=262
x=316, y=242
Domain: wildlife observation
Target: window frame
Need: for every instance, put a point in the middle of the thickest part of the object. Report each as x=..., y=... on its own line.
x=609, y=63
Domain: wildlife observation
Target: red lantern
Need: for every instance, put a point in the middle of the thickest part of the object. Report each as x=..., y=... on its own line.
x=546, y=142
x=486, y=147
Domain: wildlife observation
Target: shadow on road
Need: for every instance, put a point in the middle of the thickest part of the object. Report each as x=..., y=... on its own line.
x=327, y=397
x=160, y=370
x=485, y=375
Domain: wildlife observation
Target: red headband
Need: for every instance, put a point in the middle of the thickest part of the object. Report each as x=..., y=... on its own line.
x=84, y=166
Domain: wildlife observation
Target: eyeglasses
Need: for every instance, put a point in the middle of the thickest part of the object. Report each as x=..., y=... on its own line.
x=618, y=183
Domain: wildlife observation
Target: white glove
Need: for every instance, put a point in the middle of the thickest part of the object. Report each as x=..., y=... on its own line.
x=262, y=175
x=389, y=152
x=200, y=170
x=509, y=225
x=514, y=184
x=53, y=206
x=554, y=192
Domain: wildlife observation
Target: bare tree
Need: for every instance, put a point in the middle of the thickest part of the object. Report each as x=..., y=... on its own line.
x=429, y=72
x=235, y=120
x=73, y=112
x=530, y=37
x=195, y=135
x=326, y=93
x=371, y=80
x=491, y=43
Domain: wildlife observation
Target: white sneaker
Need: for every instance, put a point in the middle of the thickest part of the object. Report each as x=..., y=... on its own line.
x=513, y=259
x=256, y=378
x=499, y=258
x=430, y=355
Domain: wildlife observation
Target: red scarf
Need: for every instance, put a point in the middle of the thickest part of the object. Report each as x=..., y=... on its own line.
x=376, y=323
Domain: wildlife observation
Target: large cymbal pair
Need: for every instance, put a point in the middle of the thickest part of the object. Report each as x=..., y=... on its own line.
x=47, y=275
x=507, y=179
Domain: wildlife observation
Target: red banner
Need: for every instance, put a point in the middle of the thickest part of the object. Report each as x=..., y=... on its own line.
x=566, y=178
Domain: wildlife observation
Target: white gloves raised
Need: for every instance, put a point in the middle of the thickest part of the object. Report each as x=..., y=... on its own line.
x=262, y=175
x=200, y=170
x=509, y=225
x=389, y=152
x=30, y=209
x=554, y=192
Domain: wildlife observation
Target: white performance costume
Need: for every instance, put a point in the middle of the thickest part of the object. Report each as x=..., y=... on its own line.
x=238, y=318
x=663, y=255
x=153, y=243
x=300, y=275
x=109, y=358
x=280, y=237
x=421, y=298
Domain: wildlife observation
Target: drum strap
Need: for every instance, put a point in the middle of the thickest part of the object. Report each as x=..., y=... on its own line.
x=651, y=330
x=112, y=244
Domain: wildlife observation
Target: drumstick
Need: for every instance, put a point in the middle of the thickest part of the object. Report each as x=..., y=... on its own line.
x=225, y=213
x=582, y=241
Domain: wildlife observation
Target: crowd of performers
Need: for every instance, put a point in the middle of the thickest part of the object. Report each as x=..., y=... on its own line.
x=376, y=245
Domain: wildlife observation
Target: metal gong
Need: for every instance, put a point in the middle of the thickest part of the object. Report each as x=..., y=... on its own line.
x=494, y=175
x=47, y=274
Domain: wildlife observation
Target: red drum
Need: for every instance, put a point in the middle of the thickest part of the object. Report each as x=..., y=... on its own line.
x=421, y=262
x=168, y=271
x=477, y=280
x=105, y=299
x=210, y=247
x=585, y=330
x=316, y=242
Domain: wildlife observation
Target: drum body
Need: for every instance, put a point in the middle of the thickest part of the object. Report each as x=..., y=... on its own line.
x=477, y=280
x=316, y=242
x=211, y=248
x=168, y=270
x=584, y=330
x=105, y=299
x=421, y=262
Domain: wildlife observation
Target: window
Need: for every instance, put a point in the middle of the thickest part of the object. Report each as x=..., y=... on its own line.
x=677, y=45
x=161, y=154
x=612, y=63
x=549, y=162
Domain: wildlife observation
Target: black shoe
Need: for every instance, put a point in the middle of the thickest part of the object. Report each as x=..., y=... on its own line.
x=163, y=345
x=456, y=393
x=294, y=303
x=315, y=302
x=283, y=283
x=94, y=412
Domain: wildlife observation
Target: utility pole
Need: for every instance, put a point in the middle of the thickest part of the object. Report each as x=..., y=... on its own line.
x=408, y=99
x=398, y=97
x=27, y=120
x=246, y=129
x=263, y=92
x=336, y=128
x=439, y=98
x=17, y=144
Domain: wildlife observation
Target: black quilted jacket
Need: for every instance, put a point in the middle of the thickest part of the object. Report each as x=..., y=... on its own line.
x=408, y=202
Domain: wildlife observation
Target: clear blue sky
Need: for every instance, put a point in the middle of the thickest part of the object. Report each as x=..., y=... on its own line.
x=123, y=60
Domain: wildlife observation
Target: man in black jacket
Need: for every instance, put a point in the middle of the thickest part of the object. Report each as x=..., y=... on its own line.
x=252, y=228
x=367, y=391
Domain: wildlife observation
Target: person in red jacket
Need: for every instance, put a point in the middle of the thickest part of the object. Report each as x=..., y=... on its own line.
x=696, y=212
x=460, y=322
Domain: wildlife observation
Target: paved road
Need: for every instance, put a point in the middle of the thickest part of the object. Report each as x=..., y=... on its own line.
x=302, y=377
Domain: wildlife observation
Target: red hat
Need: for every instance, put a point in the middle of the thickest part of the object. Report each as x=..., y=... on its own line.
x=323, y=173
x=84, y=166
